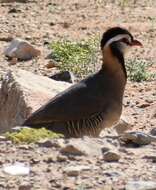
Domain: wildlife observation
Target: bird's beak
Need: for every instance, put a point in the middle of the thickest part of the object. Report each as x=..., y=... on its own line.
x=136, y=43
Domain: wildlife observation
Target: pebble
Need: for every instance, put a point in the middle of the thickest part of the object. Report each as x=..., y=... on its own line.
x=25, y=186
x=107, y=187
x=64, y=76
x=79, y=147
x=24, y=147
x=75, y=170
x=111, y=156
x=141, y=185
x=122, y=126
x=50, y=65
x=21, y=49
x=138, y=138
x=45, y=143
x=153, y=132
x=3, y=138
x=70, y=149
x=56, y=143
x=61, y=158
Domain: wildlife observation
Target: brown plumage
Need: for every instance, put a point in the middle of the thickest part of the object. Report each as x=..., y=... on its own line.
x=95, y=102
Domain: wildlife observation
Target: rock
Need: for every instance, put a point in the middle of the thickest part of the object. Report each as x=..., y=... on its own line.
x=153, y=132
x=3, y=138
x=150, y=157
x=50, y=65
x=49, y=143
x=153, y=114
x=138, y=138
x=13, y=61
x=11, y=1
x=61, y=158
x=45, y=143
x=17, y=168
x=14, y=10
x=64, y=76
x=122, y=126
x=111, y=156
x=71, y=149
x=141, y=185
x=24, y=147
x=25, y=186
x=21, y=50
x=22, y=93
x=75, y=170
x=107, y=187
x=79, y=147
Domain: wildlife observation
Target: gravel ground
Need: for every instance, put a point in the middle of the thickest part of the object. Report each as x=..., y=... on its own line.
x=41, y=22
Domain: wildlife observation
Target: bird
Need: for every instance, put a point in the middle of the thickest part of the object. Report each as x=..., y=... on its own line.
x=94, y=103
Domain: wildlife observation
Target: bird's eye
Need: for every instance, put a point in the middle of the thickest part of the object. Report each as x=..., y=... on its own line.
x=125, y=40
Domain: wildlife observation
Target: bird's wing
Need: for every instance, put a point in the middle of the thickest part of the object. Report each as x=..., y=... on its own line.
x=77, y=102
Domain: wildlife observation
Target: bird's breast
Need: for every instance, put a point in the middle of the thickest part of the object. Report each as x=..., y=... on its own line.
x=112, y=115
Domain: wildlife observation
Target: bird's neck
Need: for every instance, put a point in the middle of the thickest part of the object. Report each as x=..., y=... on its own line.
x=113, y=62
x=113, y=70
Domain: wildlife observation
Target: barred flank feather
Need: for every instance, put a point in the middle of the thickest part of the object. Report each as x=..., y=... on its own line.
x=88, y=126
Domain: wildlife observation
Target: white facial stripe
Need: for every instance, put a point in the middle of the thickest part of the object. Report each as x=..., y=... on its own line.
x=117, y=38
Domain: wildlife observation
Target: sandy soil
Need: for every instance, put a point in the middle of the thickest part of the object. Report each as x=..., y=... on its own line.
x=41, y=22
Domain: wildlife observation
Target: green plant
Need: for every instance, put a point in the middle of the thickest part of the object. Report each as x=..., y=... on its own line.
x=28, y=135
x=78, y=57
x=137, y=70
x=125, y=3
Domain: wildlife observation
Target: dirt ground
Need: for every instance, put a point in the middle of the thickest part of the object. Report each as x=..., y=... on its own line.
x=43, y=21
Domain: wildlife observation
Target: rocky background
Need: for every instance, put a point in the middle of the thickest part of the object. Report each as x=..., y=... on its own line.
x=116, y=160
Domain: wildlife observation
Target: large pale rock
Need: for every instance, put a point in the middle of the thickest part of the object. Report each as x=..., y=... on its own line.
x=21, y=49
x=22, y=93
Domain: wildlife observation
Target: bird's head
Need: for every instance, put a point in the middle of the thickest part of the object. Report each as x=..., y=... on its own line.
x=118, y=38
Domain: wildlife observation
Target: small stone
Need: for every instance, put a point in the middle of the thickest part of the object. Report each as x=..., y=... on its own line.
x=45, y=143
x=24, y=186
x=153, y=132
x=111, y=156
x=24, y=147
x=13, y=61
x=64, y=76
x=137, y=138
x=79, y=147
x=55, y=143
x=66, y=25
x=34, y=161
x=21, y=50
x=143, y=105
x=17, y=168
x=153, y=114
x=50, y=158
x=151, y=158
x=50, y=65
x=107, y=187
x=141, y=185
x=61, y=158
x=75, y=170
x=14, y=10
x=122, y=126
x=2, y=138
x=70, y=149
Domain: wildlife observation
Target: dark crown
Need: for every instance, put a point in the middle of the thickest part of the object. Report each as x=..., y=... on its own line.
x=112, y=32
